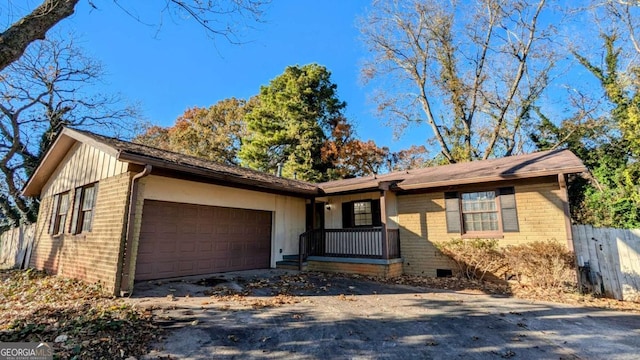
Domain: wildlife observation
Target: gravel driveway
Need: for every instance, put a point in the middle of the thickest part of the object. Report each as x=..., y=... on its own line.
x=274, y=314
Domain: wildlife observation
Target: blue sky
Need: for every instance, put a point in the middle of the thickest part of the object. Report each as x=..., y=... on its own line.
x=177, y=66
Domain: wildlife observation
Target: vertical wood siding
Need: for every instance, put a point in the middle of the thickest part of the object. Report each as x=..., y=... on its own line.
x=15, y=246
x=84, y=164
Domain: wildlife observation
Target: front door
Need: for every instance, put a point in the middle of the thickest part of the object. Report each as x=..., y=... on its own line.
x=318, y=222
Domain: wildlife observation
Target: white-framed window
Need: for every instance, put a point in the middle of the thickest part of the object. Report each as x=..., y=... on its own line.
x=482, y=213
x=479, y=211
x=362, y=215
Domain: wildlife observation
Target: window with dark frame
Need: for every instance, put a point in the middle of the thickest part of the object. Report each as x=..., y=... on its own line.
x=59, y=213
x=361, y=213
x=84, y=203
x=481, y=212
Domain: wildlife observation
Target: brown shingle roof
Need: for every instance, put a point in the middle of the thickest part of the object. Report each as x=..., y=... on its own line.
x=137, y=153
x=513, y=167
x=162, y=159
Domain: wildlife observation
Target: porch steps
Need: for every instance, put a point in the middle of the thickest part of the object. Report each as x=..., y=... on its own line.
x=289, y=262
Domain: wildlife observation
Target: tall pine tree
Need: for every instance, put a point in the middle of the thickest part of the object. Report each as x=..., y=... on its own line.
x=294, y=117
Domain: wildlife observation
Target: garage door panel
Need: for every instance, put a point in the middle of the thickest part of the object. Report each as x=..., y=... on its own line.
x=204, y=247
x=221, y=248
x=166, y=266
x=185, y=239
x=205, y=227
x=186, y=247
x=166, y=227
x=166, y=247
x=222, y=229
x=188, y=228
x=205, y=213
x=186, y=266
x=222, y=214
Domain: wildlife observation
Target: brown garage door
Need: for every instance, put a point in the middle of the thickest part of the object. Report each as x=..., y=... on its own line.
x=183, y=239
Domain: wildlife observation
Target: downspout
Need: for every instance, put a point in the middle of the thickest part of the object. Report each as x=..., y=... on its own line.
x=128, y=243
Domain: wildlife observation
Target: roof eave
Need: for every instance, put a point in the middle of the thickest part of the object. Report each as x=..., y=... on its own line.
x=485, y=179
x=64, y=141
x=227, y=178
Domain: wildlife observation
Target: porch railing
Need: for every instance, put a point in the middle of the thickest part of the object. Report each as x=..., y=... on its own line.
x=356, y=243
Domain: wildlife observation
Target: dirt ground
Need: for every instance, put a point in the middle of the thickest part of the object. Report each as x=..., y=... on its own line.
x=273, y=314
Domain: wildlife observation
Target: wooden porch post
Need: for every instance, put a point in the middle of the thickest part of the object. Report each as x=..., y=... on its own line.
x=564, y=196
x=313, y=214
x=384, y=187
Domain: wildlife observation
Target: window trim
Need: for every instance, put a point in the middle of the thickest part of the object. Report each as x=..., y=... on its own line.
x=58, y=218
x=454, y=214
x=498, y=212
x=371, y=213
x=79, y=211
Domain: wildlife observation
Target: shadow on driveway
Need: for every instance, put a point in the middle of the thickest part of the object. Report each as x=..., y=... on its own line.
x=276, y=314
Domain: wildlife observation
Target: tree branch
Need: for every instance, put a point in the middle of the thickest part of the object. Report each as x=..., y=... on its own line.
x=14, y=40
x=516, y=81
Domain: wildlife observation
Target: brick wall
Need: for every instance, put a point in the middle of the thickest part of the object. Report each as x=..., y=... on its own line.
x=540, y=214
x=90, y=256
x=422, y=222
x=385, y=271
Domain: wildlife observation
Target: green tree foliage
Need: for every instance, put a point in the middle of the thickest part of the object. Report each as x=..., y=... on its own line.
x=608, y=146
x=621, y=88
x=295, y=115
x=213, y=133
x=297, y=122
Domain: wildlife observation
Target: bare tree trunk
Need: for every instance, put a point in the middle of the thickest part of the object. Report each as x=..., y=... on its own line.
x=477, y=74
x=14, y=40
x=522, y=68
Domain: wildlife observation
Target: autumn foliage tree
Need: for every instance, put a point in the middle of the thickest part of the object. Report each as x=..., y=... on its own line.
x=414, y=157
x=296, y=123
x=213, y=133
x=351, y=156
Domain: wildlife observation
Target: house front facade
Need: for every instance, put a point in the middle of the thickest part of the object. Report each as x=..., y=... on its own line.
x=115, y=212
x=513, y=211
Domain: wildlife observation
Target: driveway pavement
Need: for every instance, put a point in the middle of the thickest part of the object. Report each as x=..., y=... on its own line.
x=272, y=314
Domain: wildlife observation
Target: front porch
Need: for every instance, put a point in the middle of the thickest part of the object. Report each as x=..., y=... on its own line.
x=371, y=251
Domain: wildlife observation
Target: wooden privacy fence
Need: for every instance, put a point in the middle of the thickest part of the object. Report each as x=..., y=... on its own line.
x=609, y=261
x=15, y=247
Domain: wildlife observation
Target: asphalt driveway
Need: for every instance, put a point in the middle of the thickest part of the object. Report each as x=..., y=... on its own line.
x=273, y=314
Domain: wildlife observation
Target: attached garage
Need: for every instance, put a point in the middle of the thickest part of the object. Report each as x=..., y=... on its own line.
x=178, y=239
